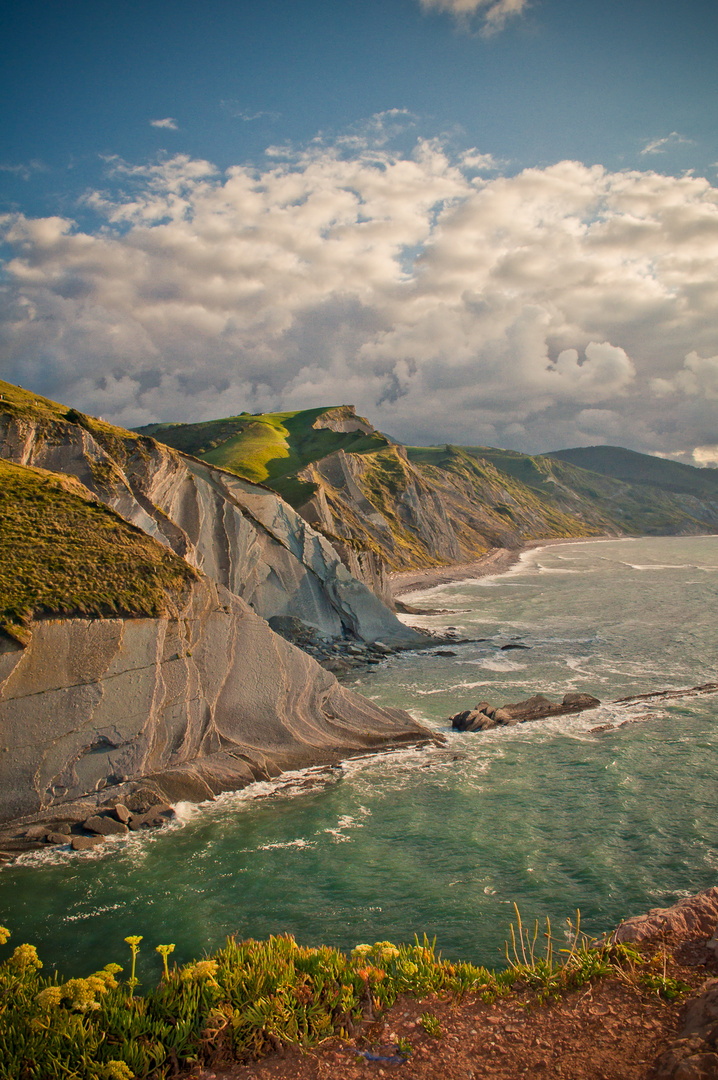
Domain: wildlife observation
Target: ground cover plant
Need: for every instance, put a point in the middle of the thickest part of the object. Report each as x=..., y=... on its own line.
x=64, y=553
x=251, y=998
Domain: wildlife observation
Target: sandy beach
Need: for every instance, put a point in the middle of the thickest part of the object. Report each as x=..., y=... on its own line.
x=495, y=561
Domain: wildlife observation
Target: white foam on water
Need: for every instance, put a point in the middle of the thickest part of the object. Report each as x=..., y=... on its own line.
x=278, y=845
x=95, y=911
x=497, y=663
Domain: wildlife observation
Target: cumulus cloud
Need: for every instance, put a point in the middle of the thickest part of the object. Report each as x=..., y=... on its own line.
x=168, y=122
x=494, y=13
x=561, y=306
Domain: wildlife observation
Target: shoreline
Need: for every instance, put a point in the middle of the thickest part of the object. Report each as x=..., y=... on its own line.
x=495, y=561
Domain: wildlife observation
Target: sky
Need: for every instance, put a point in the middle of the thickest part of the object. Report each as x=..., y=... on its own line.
x=484, y=222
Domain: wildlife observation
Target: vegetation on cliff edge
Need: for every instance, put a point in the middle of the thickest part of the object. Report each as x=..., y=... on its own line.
x=64, y=553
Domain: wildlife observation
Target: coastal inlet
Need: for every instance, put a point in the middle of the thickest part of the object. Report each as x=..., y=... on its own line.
x=443, y=840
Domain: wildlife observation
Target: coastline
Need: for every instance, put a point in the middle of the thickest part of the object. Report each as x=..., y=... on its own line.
x=495, y=561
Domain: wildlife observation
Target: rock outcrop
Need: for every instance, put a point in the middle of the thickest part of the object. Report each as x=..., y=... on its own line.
x=486, y=716
x=194, y=704
x=690, y=929
x=687, y=919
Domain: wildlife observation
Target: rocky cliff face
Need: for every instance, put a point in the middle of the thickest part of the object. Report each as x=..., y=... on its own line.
x=417, y=514
x=202, y=701
x=240, y=535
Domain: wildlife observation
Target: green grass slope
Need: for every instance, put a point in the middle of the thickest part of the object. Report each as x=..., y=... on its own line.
x=270, y=448
x=64, y=553
x=620, y=505
x=637, y=468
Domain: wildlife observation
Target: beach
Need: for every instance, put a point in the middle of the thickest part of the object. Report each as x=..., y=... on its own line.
x=495, y=561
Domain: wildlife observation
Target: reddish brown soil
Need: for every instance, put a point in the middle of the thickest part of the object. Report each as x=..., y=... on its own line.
x=607, y=1030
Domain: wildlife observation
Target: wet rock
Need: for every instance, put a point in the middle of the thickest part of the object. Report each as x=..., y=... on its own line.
x=513, y=645
x=122, y=813
x=36, y=832
x=86, y=843
x=444, y=652
x=58, y=838
x=105, y=826
x=485, y=716
x=158, y=815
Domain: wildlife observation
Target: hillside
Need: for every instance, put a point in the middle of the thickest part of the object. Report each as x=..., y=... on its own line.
x=385, y=506
x=134, y=659
x=241, y=535
x=62, y=552
x=622, y=464
x=271, y=448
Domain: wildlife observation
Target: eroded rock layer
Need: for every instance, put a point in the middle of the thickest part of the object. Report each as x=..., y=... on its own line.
x=197, y=703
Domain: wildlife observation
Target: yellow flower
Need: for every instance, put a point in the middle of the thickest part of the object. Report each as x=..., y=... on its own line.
x=361, y=950
x=81, y=994
x=4, y=934
x=50, y=997
x=134, y=940
x=24, y=957
x=164, y=951
x=116, y=1070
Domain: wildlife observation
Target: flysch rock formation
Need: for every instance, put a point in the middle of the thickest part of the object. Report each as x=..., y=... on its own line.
x=484, y=716
x=239, y=534
x=204, y=701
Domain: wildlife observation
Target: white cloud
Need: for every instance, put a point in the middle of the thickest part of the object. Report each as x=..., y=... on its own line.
x=494, y=13
x=659, y=146
x=706, y=456
x=560, y=306
x=168, y=122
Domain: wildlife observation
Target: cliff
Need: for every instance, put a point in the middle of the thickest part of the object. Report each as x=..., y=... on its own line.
x=121, y=666
x=240, y=535
x=386, y=507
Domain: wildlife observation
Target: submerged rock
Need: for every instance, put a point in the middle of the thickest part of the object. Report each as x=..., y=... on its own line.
x=485, y=716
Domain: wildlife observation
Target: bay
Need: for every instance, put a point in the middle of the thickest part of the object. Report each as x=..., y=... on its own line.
x=551, y=816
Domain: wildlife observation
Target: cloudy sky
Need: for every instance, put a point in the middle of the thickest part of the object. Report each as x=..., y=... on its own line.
x=479, y=221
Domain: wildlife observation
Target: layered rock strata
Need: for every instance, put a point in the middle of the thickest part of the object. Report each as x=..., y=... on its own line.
x=205, y=701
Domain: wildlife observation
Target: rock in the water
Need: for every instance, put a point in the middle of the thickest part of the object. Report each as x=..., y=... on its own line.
x=86, y=843
x=485, y=716
x=58, y=838
x=105, y=826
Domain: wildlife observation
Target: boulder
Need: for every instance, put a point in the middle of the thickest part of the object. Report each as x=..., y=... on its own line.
x=86, y=843
x=122, y=813
x=103, y=825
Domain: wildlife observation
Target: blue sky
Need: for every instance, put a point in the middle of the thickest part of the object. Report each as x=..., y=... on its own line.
x=484, y=221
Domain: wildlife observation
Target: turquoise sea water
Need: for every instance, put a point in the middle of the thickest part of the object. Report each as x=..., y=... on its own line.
x=444, y=840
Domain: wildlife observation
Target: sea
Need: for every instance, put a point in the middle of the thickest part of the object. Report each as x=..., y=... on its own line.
x=607, y=813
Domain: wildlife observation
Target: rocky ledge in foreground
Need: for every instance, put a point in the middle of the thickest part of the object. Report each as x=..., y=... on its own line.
x=485, y=716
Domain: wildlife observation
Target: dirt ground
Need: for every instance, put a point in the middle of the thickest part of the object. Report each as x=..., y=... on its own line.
x=606, y=1030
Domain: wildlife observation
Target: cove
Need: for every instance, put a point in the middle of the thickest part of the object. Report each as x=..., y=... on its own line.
x=442, y=841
